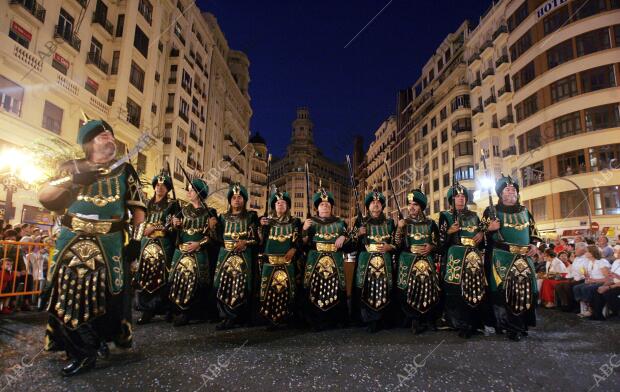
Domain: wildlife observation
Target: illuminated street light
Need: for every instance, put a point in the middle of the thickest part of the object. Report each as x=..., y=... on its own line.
x=17, y=170
x=487, y=183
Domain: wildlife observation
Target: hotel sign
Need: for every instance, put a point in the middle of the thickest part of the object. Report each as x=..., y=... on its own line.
x=549, y=6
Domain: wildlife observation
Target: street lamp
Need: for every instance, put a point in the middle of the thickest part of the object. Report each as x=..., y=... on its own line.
x=17, y=170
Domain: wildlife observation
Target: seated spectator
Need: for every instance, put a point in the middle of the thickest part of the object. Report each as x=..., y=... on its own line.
x=576, y=275
x=596, y=274
x=606, y=251
x=608, y=293
x=565, y=257
x=555, y=271
x=561, y=245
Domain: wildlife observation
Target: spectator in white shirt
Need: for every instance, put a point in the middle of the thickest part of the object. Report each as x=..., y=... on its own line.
x=596, y=274
x=576, y=275
x=608, y=293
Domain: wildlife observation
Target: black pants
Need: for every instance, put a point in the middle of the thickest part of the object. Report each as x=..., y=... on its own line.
x=564, y=294
x=609, y=298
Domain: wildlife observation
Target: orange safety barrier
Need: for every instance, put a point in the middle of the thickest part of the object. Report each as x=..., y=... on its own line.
x=13, y=273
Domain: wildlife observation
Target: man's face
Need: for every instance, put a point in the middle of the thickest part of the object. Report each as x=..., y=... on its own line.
x=459, y=201
x=191, y=194
x=325, y=209
x=564, y=257
x=375, y=208
x=104, y=144
x=414, y=208
x=160, y=190
x=281, y=207
x=602, y=241
x=236, y=201
x=509, y=196
x=580, y=251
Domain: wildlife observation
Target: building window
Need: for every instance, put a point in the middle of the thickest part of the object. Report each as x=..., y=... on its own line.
x=91, y=86
x=111, y=93
x=186, y=82
x=444, y=158
x=120, y=23
x=133, y=113
x=141, y=42
x=572, y=204
x=463, y=148
x=444, y=135
x=573, y=162
x=533, y=174
x=136, y=76
x=52, y=117
x=65, y=25
x=586, y=8
x=460, y=102
x=617, y=33
x=607, y=200
x=60, y=64
x=597, y=78
x=184, y=110
x=519, y=16
x=560, y=54
x=604, y=157
x=564, y=88
x=524, y=76
x=461, y=125
x=443, y=114
x=20, y=35
x=146, y=9
x=465, y=173
x=435, y=163
x=555, y=20
x=528, y=107
x=592, y=41
x=446, y=180
x=141, y=164
x=96, y=49
x=116, y=57
x=530, y=140
x=434, y=143
x=567, y=125
x=433, y=122
x=602, y=117
x=538, y=207
x=436, y=206
x=521, y=46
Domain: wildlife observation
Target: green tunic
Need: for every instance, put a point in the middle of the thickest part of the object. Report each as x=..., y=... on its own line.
x=233, y=272
x=277, y=291
x=324, y=271
x=157, y=248
x=88, y=260
x=190, y=270
x=513, y=273
x=417, y=276
x=462, y=262
x=374, y=269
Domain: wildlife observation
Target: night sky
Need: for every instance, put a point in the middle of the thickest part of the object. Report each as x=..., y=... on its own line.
x=297, y=55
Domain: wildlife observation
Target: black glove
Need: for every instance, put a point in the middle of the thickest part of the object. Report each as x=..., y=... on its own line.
x=86, y=178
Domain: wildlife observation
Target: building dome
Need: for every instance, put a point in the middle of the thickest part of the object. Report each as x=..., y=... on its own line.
x=257, y=138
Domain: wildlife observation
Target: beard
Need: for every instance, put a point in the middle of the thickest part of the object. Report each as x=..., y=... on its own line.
x=107, y=150
x=509, y=200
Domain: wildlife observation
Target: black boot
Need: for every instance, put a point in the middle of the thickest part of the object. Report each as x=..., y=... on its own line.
x=373, y=327
x=78, y=366
x=145, y=318
x=514, y=336
x=225, y=324
x=180, y=320
x=103, y=352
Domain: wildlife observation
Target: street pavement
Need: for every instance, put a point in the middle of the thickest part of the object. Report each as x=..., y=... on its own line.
x=564, y=353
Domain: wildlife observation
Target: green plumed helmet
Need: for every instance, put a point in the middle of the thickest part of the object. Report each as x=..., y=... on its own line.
x=202, y=187
x=374, y=195
x=418, y=196
x=503, y=182
x=90, y=129
x=162, y=179
x=237, y=189
x=277, y=195
x=460, y=190
x=323, y=195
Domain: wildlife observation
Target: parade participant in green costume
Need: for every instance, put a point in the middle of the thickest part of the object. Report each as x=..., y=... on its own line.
x=236, y=261
x=511, y=238
x=417, y=281
x=462, y=265
x=280, y=240
x=87, y=287
x=325, y=236
x=157, y=250
x=373, y=238
x=190, y=280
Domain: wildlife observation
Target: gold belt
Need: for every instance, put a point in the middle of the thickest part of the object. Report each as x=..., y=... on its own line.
x=277, y=260
x=325, y=247
x=373, y=248
x=158, y=233
x=417, y=248
x=90, y=227
x=193, y=231
x=519, y=249
x=229, y=245
x=468, y=241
